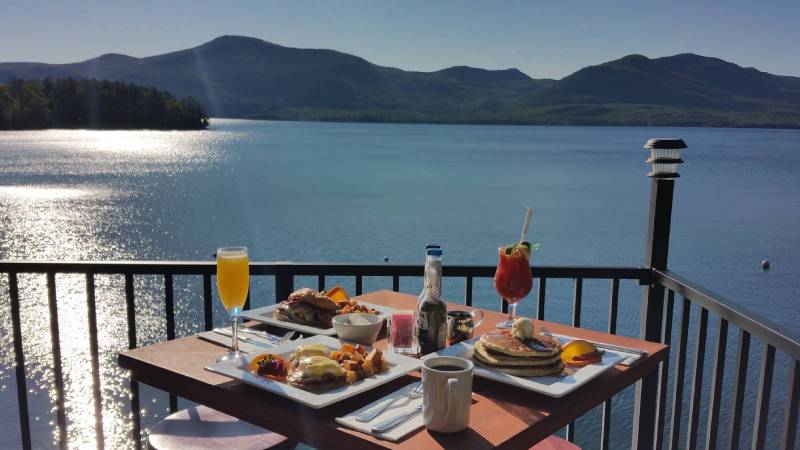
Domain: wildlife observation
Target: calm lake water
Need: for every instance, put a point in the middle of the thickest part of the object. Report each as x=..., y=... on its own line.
x=362, y=192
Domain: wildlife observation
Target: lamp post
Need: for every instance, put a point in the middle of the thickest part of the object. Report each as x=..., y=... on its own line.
x=664, y=160
x=665, y=155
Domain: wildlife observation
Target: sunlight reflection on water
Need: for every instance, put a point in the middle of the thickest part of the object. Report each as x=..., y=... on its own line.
x=84, y=211
x=42, y=193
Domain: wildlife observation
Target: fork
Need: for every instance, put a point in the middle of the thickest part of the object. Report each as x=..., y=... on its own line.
x=366, y=416
x=547, y=333
x=270, y=337
x=285, y=338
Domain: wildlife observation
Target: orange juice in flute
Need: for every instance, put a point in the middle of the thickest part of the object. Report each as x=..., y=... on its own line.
x=233, y=283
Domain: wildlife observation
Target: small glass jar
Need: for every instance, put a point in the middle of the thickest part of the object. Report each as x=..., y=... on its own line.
x=401, y=332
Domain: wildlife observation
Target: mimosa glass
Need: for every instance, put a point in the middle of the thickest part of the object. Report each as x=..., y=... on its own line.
x=233, y=282
x=512, y=280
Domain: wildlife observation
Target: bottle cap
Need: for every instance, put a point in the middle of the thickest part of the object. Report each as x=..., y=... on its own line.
x=430, y=246
x=434, y=252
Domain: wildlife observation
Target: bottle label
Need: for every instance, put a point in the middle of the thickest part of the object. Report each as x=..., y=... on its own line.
x=422, y=320
x=431, y=330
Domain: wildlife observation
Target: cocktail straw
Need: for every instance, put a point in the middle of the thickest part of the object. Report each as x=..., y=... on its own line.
x=525, y=226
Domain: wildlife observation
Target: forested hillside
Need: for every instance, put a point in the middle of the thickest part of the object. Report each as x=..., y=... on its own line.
x=71, y=103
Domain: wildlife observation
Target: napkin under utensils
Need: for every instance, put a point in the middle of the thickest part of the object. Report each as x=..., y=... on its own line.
x=401, y=406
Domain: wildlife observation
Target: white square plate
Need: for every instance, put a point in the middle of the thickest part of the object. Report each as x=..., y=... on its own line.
x=399, y=365
x=548, y=385
x=265, y=314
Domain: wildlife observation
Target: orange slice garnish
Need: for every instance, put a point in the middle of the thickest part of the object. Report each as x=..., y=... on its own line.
x=339, y=295
x=580, y=353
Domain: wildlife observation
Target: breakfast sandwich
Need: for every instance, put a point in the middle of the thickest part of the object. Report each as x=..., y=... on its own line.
x=309, y=307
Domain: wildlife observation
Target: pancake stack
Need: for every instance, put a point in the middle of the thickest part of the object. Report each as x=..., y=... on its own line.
x=499, y=350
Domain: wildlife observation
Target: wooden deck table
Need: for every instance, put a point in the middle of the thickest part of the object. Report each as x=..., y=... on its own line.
x=502, y=416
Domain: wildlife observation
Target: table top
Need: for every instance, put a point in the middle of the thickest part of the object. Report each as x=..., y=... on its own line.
x=501, y=415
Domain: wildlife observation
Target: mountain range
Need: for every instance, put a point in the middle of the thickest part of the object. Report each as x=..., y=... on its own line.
x=244, y=77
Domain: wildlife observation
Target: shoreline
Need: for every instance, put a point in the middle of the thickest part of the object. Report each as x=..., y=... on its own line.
x=499, y=124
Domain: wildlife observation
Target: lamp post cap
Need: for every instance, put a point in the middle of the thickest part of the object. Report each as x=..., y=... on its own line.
x=665, y=143
x=664, y=176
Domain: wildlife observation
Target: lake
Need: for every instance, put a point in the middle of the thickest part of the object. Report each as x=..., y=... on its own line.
x=361, y=193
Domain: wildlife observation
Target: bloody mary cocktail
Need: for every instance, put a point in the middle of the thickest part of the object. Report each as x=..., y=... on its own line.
x=513, y=279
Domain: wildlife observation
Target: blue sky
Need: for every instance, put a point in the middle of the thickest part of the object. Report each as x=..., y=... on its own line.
x=541, y=38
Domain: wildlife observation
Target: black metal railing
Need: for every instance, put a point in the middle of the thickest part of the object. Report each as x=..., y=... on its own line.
x=670, y=429
x=284, y=275
x=751, y=325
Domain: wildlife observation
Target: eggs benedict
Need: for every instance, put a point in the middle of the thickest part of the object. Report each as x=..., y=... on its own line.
x=313, y=349
x=315, y=372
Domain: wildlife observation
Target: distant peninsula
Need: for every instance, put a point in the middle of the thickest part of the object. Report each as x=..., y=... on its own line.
x=94, y=104
x=245, y=77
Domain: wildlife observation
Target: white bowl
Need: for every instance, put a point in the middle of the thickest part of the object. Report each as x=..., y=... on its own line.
x=361, y=328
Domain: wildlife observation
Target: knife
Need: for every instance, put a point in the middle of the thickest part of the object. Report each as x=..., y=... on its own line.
x=226, y=332
x=388, y=424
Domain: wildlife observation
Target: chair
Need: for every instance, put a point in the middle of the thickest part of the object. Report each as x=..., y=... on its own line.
x=203, y=428
x=555, y=443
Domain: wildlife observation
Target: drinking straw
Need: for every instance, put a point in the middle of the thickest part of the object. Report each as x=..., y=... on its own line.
x=525, y=226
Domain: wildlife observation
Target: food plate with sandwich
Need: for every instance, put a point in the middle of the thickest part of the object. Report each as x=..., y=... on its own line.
x=318, y=371
x=311, y=312
x=540, y=363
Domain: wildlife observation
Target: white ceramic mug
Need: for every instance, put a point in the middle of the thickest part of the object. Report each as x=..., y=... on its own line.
x=446, y=394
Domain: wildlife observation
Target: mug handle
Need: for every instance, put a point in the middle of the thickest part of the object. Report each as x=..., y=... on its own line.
x=476, y=322
x=452, y=392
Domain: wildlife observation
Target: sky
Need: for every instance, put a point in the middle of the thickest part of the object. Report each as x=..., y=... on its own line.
x=545, y=39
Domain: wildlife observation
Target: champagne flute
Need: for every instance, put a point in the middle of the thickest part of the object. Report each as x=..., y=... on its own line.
x=233, y=283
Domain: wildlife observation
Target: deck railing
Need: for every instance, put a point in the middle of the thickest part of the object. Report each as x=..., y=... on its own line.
x=284, y=275
x=750, y=326
x=671, y=419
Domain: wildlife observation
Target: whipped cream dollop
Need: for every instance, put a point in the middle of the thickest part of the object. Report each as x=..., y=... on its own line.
x=522, y=329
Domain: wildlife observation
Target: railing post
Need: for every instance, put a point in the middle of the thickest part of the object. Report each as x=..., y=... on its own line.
x=664, y=160
x=284, y=282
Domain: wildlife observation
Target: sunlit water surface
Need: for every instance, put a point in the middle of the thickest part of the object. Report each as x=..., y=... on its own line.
x=359, y=193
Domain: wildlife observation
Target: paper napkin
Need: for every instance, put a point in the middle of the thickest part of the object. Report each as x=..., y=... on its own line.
x=399, y=407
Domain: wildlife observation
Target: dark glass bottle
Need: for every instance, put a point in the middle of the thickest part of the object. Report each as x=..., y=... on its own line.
x=432, y=311
x=428, y=248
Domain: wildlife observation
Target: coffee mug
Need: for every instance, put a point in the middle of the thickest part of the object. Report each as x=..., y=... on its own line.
x=461, y=325
x=446, y=393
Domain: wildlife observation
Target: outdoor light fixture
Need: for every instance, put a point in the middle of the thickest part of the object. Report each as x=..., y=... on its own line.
x=665, y=155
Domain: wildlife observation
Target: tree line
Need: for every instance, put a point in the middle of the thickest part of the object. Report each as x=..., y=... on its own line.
x=99, y=104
